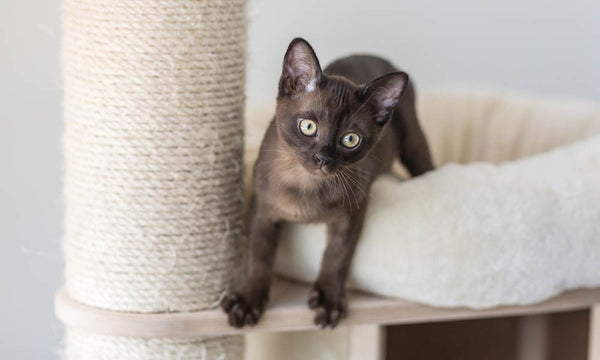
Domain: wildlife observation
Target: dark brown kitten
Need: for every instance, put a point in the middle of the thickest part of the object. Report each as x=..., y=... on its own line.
x=328, y=142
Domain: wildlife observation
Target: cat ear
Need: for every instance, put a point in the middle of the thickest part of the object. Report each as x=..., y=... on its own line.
x=301, y=70
x=383, y=93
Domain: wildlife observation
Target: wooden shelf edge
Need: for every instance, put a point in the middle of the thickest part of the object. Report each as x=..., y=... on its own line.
x=288, y=312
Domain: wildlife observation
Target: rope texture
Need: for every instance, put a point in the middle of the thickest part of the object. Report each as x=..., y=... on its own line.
x=153, y=161
x=82, y=345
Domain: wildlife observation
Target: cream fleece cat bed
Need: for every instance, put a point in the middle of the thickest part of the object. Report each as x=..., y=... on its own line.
x=511, y=215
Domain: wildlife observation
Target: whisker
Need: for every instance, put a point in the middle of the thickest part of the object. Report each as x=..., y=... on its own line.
x=355, y=181
x=352, y=190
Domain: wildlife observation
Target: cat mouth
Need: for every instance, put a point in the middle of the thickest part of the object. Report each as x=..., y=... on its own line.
x=321, y=172
x=324, y=171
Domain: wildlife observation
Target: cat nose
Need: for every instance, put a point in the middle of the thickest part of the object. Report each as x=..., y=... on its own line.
x=323, y=160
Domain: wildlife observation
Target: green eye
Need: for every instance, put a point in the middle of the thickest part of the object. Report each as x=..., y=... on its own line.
x=308, y=127
x=350, y=140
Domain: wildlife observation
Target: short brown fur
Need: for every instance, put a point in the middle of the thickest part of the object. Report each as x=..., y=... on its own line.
x=306, y=179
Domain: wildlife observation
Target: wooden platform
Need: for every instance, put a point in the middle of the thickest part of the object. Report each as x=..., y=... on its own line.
x=288, y=312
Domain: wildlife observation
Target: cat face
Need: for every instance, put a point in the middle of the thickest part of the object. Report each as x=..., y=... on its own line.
x=328, y=122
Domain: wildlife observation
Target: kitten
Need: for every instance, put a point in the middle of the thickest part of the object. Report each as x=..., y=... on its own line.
x=329, y=140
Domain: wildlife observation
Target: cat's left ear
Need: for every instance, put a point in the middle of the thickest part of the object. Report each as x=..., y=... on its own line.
x=383, y=93
x=301, y=70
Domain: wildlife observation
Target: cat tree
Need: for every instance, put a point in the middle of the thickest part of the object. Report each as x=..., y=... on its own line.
x=154, y=94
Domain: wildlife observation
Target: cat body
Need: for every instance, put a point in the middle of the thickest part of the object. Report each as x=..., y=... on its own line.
x=333, y=133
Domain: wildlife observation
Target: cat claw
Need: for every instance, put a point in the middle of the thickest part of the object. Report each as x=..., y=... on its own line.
x=241, y=310
x=329, y=309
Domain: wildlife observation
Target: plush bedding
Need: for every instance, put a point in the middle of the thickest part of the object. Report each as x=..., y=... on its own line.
x=511, y=215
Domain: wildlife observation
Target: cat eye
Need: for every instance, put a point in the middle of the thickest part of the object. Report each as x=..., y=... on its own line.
x=308, y=127
x=350, y=140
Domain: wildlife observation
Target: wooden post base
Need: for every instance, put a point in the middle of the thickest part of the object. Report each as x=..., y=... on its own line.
x=367, y=342
x=594, y=343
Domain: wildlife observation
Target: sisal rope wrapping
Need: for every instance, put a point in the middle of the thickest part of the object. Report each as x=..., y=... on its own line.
x=153, y=157
x=81, y=345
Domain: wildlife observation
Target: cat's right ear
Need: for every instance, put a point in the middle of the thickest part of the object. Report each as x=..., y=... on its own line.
x=301, y=70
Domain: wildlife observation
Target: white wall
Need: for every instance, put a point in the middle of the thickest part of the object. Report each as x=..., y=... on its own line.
x=542, y=46
x=532, y=45
x=30, y=171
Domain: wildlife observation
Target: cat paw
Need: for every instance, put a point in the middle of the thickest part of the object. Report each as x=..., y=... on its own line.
x=243, y=309
x=329, y=307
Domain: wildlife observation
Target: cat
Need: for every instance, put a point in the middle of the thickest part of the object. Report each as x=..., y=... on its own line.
x=329, y=140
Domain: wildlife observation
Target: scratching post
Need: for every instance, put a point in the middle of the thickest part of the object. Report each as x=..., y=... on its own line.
x=153, y=156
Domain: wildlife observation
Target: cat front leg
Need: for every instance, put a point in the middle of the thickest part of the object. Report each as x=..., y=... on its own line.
x=246, y=303
x=328, y=295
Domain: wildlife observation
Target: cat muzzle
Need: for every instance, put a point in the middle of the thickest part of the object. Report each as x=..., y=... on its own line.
x=323, y=161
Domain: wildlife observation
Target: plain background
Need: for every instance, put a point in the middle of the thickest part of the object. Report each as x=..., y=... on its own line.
x=537, y=46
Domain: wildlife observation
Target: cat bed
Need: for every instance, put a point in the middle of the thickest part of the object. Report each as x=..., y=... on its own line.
x=510, y=216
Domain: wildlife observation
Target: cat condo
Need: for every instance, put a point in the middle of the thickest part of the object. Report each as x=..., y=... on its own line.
x=154, y=145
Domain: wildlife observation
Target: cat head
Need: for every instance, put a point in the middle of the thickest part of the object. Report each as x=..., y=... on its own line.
x=328, y=122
